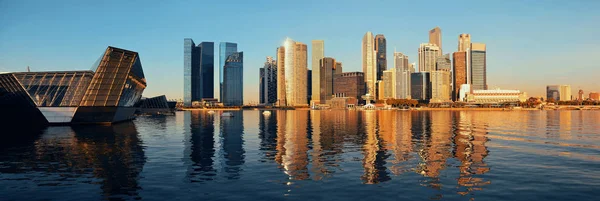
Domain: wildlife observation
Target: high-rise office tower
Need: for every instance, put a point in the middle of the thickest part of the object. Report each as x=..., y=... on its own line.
x=440, y=86
x=381, y=52
x=295, y=73
x=400, y=62
x=327, y=68
x=435, y=37
x=464, y=42
x=268, y=82
x=198, y=71
x=380, y=90
x=459, y=73
x=478, y=66
x=411, y=67
x=565, y=93
x=420, y=86
x=403, y=84
x=281, y=87
x=428, y=53
x=443, y=63
x=389, y=83
x=553, y=92
x=368, y=63
x=233, y=80
x=580, y=95
x=308, y=85
x=225, y=49
x=318, y=53
x=350, y=84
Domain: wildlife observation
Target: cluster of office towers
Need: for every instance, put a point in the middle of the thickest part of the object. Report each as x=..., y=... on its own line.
x=198, y=70
x=287, y=81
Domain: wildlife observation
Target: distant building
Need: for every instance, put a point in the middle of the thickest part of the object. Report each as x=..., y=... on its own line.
x=295, y=73
x=403, y=85
x=440, y=86
x=443, y=63
x=225, y=49
x=198, y=71
x=327, y=68
x=420, y=86
x=580, y=97
x=459, y=74
x=565, y=93
x=464, y=42
x=381, y=90
x=381, y=55
x=318, y=53
x=369, y=63
x=495, y=96
x=350, y=84
x=435, y=37
x=389, y=83
x=233, y=80
x=594, y=96
x=478, y=66
x=428, y=53
x=268, y=82
x=411, y=67
x=553, y=92
x=309, y=85
x=281, y=87
x=401, y=62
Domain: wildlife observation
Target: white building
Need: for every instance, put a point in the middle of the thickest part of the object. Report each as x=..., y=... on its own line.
x=295, y=73
x=495, y=96
x=368, y=62
x=428, y=54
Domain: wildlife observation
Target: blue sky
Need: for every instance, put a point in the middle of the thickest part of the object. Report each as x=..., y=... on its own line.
x=530, y=44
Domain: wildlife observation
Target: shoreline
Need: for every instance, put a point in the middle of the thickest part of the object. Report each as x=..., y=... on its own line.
x=413, y=109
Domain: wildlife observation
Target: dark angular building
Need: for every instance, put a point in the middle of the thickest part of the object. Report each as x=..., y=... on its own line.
x=309, y=86
x=380, y=54
x=18, y=109
x=350, y=84
x=420, y=86
x=233, y=80
x=198, y=71
x=268, y=82
x=105, y=95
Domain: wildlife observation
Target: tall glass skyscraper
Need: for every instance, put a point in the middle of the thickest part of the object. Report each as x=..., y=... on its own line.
x=478, y=67
x=295, y=63
x=268, y=82
x=427, y=56
x=318, y=53
x=420, y=86
x=380, y=49
x=225, y=49
x=369, y=63
x=198, y=71
x=233, y=80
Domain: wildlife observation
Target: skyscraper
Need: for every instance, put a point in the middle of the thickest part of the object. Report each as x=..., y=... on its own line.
x=459, y=73
x=225, y=49
x=420, y=86
x=478, y=66
x=281, y=87
x=308, y=86
x=435, y=37
x=268, y=82
x=565, y=93
x=428, y=53
x=198, y=71
x=327, y=68
x=295, y=73
x=400, y=62
x=464, y=42
x=350, y=84
x=233, y=80
x=440, y=86
x=381, y=52
x=389, y=83
x=403, y=85
x=368, y=63
x=318, y=53
x=553, y=92
x=443, y=63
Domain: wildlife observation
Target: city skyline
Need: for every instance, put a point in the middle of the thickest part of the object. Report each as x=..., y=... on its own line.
x=519, y=55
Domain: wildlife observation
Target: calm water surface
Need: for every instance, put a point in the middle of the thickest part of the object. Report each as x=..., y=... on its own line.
x=312, y=155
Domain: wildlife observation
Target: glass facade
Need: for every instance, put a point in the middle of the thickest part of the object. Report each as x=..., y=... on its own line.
x=56, y=89
x=154, y=102
x=380, y=49
x=225, y=49
x=478, y=70
x=198, y=71
x=118, y=81
x=233, y=80
x=420, y=86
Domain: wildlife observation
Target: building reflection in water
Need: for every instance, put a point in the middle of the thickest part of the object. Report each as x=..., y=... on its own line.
x=470, y=150
x=295, y=144
x=199, y=146
x=232, y=131
x=374, y=155
x=267, y=132
x=113, y=154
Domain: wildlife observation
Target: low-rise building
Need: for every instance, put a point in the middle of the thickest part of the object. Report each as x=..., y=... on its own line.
x=495, y=96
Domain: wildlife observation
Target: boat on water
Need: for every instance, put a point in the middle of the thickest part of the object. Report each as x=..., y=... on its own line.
x=227, y=114
x=266, y=113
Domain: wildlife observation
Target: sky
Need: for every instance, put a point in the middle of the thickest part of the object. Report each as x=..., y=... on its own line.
x=530, y=43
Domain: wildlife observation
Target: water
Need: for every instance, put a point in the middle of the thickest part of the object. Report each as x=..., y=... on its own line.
x=312, y=155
